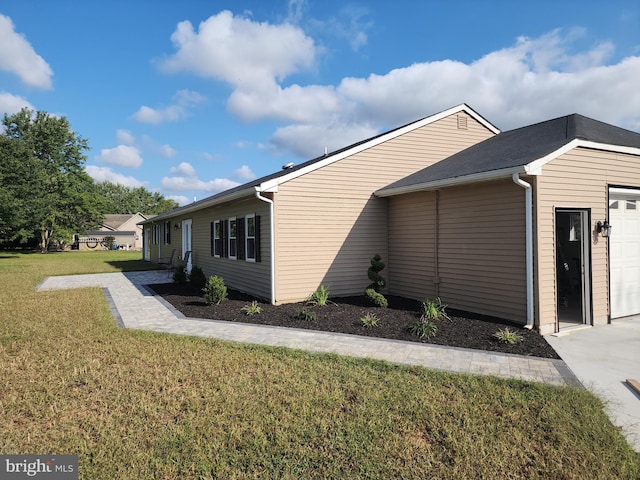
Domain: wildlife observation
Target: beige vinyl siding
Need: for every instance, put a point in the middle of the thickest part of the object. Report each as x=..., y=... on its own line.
x=250, y=277
x=328, y=222
x=412, y=231
x=481, y=248
x=578, y=179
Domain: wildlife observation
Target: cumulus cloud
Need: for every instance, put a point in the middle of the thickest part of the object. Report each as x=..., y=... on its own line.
x=121, y=156
x=11, y=104
x=125, y=137
x=249, y=55
x=182, y=104
x=244, y=173
x=184, y=178
x=105, y=174
x=17, y=56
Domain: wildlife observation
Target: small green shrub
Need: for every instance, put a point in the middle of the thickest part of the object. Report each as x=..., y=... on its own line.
x=307, y=315
x=197, y=278
x=376, y=298
x=108, y=242
x=180, y=275
x=319, y=297
x=508, y=336
x=252, y=309
x=434, y=309
x=424, y=328
x=215, y=291
x=369, y=320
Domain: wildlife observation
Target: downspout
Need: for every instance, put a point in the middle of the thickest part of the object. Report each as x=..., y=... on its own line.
x=529, y=245
x=272, y=249
x=436, y=244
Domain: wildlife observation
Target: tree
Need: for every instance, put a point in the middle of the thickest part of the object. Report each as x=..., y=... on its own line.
x=121, y=199
x=49, y=194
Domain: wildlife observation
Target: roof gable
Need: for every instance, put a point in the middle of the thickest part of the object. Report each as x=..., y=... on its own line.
x=269, y=183
x=523, y=150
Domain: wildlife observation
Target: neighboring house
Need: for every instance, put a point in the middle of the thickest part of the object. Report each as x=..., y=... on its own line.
x=124, y=228
x=503, y=224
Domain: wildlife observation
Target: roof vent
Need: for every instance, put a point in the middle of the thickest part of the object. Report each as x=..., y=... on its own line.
x=462, y=122
x=287, y=166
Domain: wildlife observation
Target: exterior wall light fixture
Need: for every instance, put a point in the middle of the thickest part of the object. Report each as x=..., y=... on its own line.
x=603, y=228
x=176, y=227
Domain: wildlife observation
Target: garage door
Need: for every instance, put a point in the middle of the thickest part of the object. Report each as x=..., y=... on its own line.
x=624, y=250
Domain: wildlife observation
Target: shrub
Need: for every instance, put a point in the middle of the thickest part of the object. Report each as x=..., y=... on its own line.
x=215, y=291
x=108, y=242
x=369, y=320
x=434, y=309
x=377, y=282
x=376, y=298
x=319, y=297
x=308, y=315
x=180, y=275
x=197, y=278
x=252, y=309
x=508, y=336
x=424, y=328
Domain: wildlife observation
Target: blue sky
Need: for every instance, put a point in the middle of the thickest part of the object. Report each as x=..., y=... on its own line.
x=190, y=98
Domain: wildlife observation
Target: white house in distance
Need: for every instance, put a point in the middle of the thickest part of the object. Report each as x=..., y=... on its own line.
x=124, y=228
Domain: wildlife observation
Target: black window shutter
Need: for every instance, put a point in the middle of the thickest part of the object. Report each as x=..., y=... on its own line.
x=257, y=248
x=168, y=232
x=240, y=238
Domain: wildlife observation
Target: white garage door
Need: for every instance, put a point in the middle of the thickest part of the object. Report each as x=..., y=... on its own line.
x=624, y=250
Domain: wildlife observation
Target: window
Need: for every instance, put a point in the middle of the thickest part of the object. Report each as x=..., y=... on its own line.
x=613, y=205
x=250, y=238
x=232, y=244
x=631, y=204
x=156, y=234
x=217, y=238
x=167, y=233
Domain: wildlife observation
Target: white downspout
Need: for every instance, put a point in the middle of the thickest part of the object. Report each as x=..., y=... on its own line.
x=529, y=245
x=272, y=249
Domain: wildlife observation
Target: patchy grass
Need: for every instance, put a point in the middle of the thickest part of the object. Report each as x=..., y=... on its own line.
x=144, y=405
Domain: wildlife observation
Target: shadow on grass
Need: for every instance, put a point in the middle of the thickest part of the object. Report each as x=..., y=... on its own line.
x=133, y=265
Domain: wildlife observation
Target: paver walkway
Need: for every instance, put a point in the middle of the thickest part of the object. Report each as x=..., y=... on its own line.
x=134, y=306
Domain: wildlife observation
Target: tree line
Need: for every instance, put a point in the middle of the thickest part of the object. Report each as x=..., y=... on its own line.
x=46, y=195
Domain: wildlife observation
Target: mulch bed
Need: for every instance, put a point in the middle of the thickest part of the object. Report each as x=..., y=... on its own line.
x=343, y=315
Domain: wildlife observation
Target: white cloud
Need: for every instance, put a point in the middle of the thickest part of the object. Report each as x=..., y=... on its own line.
x=121, y=156
x=183, y=102
x=247, y=54
x=18, y=57
x=167, y=151
x=181, y=199
x=184, y=178
x=11, y=104
x=125, y=137
x=105, y=174
x=182, y=184
x=184, y=170
x=244, y=173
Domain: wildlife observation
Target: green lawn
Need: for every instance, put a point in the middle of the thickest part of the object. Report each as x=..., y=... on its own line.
x=136, y=405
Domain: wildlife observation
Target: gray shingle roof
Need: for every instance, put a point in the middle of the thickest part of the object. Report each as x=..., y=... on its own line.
x=519, y=147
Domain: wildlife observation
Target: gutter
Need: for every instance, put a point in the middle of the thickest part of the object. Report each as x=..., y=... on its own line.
x=529, y=245
x=271, y=245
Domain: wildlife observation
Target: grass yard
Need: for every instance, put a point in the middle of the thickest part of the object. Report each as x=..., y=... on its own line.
x=138, y=405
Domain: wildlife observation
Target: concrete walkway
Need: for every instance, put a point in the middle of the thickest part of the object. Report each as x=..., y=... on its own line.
x=134, y=306
x=603, y=358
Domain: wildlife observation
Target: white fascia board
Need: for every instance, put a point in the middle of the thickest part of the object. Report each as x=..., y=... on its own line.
x=452, y=182
x=538, y=164
x=270, y=184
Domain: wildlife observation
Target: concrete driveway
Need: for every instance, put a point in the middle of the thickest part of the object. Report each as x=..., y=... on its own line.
x=603, y=358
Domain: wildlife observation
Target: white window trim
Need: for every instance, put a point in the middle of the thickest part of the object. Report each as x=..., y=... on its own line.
x=229, y=238
x=246, y=238
x=218, y=230
x=156, y=234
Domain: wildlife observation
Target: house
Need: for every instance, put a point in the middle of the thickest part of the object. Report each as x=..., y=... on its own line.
x=537, y=225
x=124, y=228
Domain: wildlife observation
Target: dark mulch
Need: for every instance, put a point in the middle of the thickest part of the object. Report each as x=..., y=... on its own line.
x=462, y=330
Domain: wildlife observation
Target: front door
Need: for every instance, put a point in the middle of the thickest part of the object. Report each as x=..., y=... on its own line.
x=186, y=242
x=573, y=268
